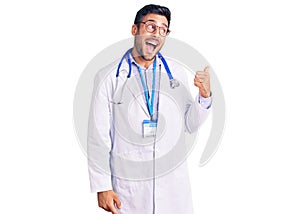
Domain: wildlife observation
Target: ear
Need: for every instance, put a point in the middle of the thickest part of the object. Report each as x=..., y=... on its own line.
x=134, y=29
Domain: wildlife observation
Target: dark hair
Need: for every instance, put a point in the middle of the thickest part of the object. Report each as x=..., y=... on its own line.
x=155, y=9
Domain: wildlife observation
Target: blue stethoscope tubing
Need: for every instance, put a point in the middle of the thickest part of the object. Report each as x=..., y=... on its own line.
x=173, y=83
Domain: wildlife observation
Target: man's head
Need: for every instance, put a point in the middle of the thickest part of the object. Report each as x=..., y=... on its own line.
x=151, y=26
x=154, y=9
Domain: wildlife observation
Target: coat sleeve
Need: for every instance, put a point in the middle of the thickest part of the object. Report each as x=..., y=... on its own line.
x=194, y=113
x=99, y=141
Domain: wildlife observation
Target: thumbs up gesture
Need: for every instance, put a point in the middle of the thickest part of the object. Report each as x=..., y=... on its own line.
x=202, y=81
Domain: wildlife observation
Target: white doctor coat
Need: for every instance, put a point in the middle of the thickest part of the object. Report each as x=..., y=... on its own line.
x=149, y=174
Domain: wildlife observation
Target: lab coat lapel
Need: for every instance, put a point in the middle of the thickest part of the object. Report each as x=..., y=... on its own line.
x=131, y=85
x=133, y=88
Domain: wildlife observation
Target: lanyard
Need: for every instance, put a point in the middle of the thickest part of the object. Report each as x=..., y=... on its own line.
x=150, y=104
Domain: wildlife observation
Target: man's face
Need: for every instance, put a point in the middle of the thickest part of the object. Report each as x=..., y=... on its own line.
x=147, y=44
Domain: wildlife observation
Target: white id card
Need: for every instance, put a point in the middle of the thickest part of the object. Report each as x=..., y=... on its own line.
x=149, y=128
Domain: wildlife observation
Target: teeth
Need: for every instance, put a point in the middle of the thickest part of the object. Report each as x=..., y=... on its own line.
x=152, y=43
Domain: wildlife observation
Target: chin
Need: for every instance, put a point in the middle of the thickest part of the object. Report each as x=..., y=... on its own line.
x=149, y=57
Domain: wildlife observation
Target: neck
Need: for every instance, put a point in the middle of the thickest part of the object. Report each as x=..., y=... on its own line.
x=140, y=59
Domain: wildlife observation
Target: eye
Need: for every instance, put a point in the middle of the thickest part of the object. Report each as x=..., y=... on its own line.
x=163, y=30
x=151, y=27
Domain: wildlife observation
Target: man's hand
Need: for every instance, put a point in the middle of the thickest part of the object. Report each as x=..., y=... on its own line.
x=202, y=81
x=107, y=201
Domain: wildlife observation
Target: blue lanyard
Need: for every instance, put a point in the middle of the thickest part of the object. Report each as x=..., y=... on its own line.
x=150, y=105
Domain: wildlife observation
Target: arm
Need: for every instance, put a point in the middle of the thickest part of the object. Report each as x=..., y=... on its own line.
x=99, y=146
x=197, y=111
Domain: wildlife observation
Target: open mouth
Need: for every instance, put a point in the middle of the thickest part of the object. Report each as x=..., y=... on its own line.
x=151, y=45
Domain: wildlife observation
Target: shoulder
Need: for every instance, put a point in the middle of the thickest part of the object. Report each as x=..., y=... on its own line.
x=179, y=70
x=106, y=72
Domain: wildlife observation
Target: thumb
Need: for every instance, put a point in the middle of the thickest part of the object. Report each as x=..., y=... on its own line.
x=112, y=208
x=206, y=69
x=117, y=201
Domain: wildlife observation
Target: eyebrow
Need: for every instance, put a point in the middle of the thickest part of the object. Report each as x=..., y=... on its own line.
x=152, y=20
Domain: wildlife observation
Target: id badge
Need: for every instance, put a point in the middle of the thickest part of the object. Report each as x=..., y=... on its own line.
x=149, y=128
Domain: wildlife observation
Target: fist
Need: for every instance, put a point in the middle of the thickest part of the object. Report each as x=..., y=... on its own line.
x=202, y=81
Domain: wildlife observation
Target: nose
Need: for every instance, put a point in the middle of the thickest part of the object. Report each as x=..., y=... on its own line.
x=156, y=32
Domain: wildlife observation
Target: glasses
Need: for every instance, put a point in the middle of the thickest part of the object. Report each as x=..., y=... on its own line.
x=151, y=27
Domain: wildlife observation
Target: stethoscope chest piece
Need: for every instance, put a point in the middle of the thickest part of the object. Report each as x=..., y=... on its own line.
x=174, y=83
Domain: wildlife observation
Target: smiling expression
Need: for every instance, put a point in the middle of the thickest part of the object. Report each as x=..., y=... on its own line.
x=147, y=45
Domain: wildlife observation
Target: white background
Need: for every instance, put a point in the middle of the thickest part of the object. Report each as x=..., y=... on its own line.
x=253, y=47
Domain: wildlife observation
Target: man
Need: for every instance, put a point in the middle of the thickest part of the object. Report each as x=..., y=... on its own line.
x=141, y=112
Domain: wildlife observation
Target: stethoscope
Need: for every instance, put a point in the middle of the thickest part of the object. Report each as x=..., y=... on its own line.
x=173, y=82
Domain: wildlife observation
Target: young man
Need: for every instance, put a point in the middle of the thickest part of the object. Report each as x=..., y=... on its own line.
x=140, y=115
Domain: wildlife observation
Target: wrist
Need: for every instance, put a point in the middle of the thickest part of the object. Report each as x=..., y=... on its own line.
x=204, y=95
